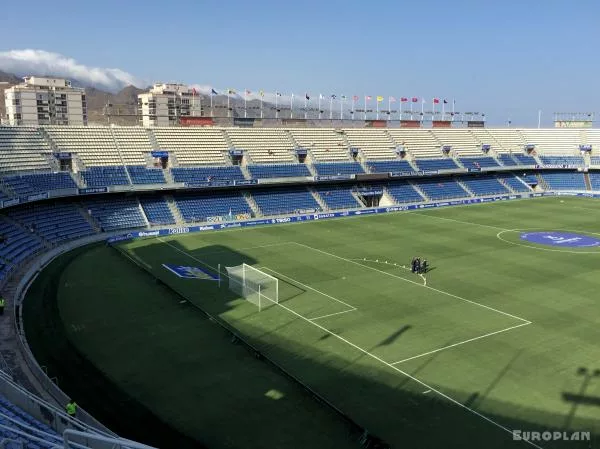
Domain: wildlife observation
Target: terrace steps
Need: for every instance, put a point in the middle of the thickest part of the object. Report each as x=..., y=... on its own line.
x=252, y=203
x=174, y=210
x=318, y=198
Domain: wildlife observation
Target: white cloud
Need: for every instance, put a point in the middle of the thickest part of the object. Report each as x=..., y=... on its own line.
x=40, y=62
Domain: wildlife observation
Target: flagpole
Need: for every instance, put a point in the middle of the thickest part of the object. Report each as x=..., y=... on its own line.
x=211, y=104
x=389, y=107
x=276, y=108
x=245, y=103
x=352, y=109
x=319, y=106
x=377, y=108
x=306, y=107
x=365, y=112
x=443, y=109
x=330, y=108
x=432, y=109
x=342, y=108
x=261, y=104
x=228, y=109
x=411, y=109
x=292, y=107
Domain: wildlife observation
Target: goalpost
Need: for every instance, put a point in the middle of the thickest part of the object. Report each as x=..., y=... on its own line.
x=258, y=287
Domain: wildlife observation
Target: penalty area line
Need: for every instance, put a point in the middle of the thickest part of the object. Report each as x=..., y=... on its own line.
x=461, y=343
x=373, y=356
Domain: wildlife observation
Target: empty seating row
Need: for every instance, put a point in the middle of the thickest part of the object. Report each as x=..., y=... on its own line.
x=157, y=210
x=478, y=162
x=278, y=170
x=441, y=188
x=115, y=213
x=105, y=176
x=39, y=182
x=338, y=197
x=483, y=185
x=338, y=168
x=279, y=201
x=139, y=174
x=198, y=207
x=436, y=164
x=54, y=222
x=207, y=174
x=564, y=180
x=399, y=165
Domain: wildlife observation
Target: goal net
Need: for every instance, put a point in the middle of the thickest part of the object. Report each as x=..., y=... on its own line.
x=258, y=287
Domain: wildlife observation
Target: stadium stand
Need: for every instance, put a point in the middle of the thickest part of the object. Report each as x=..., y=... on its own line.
x=280, y=200
x=157, y=210
x=116, y=213
x=403, y=192
x=95, y=146
x=139, y=174
x=420, y=143
x=507, y=160
x=17, y=245
x=572, y=161
x=436, y=164
x=478, y=162
x=193, y=146
x=338, y=168
x=324, y=144
x=594, y=180
x=375, y=144
x=207, y=174
x=595, y=160
x=264, y=145
x=197, y=207
x=338, y=197
x=553, y=141
x=564, y=180
x=523, y=159
x=40, y=182
x=399, y=165
x=105, y=176
x=278, y=170
x=53, y=222
x=513, y=182
x=481, y=185
x=462, y=141
x=133, y=144
x=22, y=149
x=20, y=430
x=441, y=188
x=509, y=140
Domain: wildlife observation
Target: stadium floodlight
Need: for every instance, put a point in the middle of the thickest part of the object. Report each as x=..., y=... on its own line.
x=256, y=286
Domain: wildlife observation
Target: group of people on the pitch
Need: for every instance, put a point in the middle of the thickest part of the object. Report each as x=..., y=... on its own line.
x=419, y=266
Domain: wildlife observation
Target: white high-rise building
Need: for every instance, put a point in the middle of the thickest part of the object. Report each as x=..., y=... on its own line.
x=45, y=101
x=165, y=104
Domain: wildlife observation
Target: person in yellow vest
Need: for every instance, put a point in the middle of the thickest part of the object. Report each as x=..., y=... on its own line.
x=71, y=408
x=1, y=305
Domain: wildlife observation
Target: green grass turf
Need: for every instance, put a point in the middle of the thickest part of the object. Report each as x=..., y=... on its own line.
x=528, y=318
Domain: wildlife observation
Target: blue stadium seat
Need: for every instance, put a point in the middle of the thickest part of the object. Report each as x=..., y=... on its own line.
x=441, y=188
x=436, y=164
x=507, y=160
x=399, y=165
x=564, y=180
x=24, y=428
x=338, y=197
x=18, y=244
x=24, y=185
x=157, y=210
x=206, y=174
x=595, y=160
x=404, y=192
x=524, y=159
x=484, y=185
x=338, y=168
x=513, y=182
x=278, y=170
x=478, y=162
x=572, y=161
x=54, y=222
x=142, y=175
x=105, y=176
x=282, y=200
x=116, y=213
x=594, y=180
x=197, y=207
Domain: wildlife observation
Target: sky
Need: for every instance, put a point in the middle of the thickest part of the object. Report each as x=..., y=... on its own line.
x=508, y=59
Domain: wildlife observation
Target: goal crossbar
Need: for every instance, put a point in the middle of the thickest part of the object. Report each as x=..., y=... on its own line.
x=254, y=285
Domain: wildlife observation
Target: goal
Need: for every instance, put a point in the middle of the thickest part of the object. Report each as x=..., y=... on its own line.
x=258, y=287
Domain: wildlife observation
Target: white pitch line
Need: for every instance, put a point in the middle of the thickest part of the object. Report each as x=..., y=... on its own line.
x=460, y=343
x=309, y=287
x=393, y=265
x=373, y=356
x=332, y=314
x=416, y=283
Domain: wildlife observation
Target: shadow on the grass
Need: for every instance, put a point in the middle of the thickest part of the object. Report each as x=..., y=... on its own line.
x=387, y=403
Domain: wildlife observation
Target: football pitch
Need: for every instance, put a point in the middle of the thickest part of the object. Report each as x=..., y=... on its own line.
x=500, y=335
